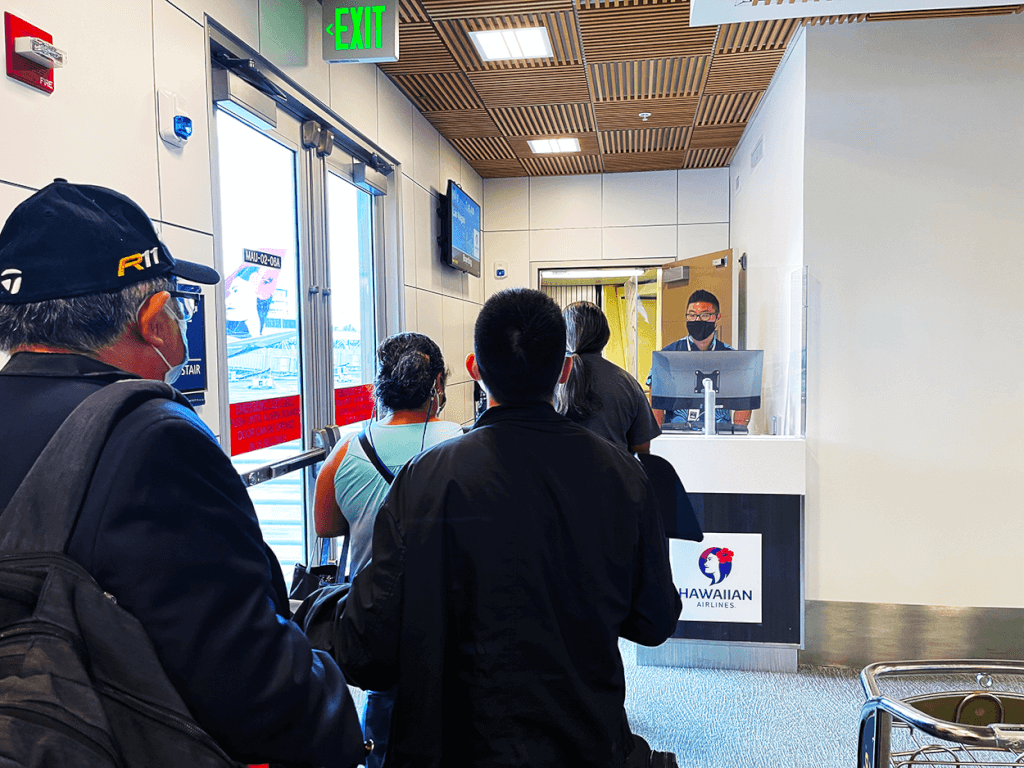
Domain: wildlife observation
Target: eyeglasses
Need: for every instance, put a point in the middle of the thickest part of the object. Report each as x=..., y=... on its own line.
x=188, y=303
x=705, y=316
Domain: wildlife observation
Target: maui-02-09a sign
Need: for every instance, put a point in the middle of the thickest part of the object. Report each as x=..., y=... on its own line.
x=719, y=579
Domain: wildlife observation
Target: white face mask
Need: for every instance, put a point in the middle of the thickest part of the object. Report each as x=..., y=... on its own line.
x=174, y=371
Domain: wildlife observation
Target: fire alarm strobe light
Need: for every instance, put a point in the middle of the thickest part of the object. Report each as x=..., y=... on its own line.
x=40, y=51
x=31, y=54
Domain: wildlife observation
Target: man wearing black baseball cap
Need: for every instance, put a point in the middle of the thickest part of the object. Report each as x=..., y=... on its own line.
x=88, y=296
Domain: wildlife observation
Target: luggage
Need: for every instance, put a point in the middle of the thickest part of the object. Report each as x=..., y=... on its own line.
x=80, y=682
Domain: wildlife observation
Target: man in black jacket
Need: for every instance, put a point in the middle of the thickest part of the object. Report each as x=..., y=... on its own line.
x=506, y=565
x=87, y=298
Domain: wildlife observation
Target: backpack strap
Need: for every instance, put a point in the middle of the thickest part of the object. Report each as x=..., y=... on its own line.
x=43, y=511
x=371, y=454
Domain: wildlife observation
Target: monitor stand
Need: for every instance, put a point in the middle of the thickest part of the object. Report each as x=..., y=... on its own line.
x=709, y=404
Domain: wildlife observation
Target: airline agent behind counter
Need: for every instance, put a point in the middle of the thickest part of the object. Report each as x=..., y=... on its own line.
x=702, y=316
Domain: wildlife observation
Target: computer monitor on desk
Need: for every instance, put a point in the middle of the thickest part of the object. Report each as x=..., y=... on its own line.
x=677, y=380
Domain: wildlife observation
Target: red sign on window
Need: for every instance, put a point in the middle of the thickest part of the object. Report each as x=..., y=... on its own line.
x=353, y=404
x=263, y=423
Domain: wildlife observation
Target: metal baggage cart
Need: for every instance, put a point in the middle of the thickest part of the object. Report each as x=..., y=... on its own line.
x=980, y=727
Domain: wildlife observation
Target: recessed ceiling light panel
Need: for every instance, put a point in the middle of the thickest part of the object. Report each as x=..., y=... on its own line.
x=549, y=146
x=504, y=44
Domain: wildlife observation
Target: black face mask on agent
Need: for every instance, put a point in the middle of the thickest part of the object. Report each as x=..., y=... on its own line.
x=700, y=329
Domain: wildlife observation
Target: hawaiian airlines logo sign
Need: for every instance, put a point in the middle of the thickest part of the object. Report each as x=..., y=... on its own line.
x=10, y=281
x=716, y=563
x=732, y=558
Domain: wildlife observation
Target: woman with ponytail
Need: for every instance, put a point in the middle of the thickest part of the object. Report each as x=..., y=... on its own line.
x=409, y=391
x=598, y=394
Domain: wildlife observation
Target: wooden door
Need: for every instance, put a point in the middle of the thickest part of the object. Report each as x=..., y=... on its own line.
x=710, y=272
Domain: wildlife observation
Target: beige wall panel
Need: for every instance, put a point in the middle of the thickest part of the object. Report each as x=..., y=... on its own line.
x=290, y=38
x=514, y=249
x=655, y=244
x=409, y=190
x=583, y=245
x=453, y=340
x=425, y=153
x=354, y=96
x=634, y=199
x=703, y=196
x=240, y=17
x=506, y=204
x=565, y=202
x=450, y=167
x=179, y=54
x=912, y=242
x=695, y=239
x=411, y=304
x=99, y=124
x=394, y=121
x=429, y=319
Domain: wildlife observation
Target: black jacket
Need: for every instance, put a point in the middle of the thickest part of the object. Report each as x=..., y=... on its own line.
x=506, y=565
x=168, y=529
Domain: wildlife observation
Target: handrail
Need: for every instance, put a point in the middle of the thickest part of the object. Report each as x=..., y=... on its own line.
x=277, y=469
x=994, y=736
x=934, y=667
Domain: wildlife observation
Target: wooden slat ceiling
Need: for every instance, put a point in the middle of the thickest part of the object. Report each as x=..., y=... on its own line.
x=613, y=59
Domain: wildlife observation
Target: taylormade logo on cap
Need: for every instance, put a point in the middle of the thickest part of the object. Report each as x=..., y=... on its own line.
x=10, y=281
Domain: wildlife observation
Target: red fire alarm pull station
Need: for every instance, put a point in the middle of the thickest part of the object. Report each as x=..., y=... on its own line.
x=31, y=55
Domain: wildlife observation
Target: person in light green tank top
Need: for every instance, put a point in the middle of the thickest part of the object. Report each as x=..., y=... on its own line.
x=409, y=390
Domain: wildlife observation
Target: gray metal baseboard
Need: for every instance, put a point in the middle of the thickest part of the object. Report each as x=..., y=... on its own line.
x=710, y=655
x=857, y=634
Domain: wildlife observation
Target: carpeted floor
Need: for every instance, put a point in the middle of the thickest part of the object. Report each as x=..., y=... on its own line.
x=810, y=719
x=724, y=718
x=730, y=719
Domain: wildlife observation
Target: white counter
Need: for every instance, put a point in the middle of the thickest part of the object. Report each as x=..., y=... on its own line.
x=736, y=463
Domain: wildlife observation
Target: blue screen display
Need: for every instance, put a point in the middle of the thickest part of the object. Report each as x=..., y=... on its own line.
x=465, y=232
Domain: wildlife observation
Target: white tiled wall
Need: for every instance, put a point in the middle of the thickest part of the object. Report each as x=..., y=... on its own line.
x=185, y=186
x=637, y=199
x=95, y=126
x=394, y=121
x=100, y=127
x=242, y=17
x=506, y=204
x=657, y=216
x=425, y=153
x=290, y=37
x=565, y=244
x=565, y=202
x=354, y=96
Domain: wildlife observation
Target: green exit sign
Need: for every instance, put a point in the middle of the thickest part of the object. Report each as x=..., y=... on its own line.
x=360, y=33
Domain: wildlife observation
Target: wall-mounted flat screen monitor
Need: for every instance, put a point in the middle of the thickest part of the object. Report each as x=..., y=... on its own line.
x=677, y=379
x=462, y=231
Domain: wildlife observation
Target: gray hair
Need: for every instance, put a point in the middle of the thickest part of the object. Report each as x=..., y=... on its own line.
x=82, y=323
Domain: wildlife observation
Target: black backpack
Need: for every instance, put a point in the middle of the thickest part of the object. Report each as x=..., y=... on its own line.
x=80, y=683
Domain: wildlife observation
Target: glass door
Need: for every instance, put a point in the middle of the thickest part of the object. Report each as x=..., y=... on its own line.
x=298, y=254
x=353, y=321
x=262, y=264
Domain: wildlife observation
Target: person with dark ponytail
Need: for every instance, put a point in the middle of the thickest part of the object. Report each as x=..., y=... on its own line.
x=598, y=394
x=409, y=388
